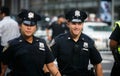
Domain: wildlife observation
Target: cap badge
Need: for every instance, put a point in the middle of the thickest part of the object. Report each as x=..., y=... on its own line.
x=30, y=15
x=77, y=13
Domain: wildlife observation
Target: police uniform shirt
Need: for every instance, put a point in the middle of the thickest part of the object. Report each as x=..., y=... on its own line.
x=73, y=57
x=27, y=58
x=115, y=35
x=9, y=29
x=57, y=28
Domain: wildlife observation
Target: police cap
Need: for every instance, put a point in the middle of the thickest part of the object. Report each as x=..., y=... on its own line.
x=75, y=15
x=29, y=17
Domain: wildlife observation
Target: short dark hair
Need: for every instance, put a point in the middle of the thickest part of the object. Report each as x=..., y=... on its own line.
x=5, y=10
x=61, y=16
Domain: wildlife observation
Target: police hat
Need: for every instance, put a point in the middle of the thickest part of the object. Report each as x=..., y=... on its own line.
x=29, y=17
x=75, y=15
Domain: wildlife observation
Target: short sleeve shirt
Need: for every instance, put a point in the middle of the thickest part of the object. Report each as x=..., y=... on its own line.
x=74, y=56
x=27, y=58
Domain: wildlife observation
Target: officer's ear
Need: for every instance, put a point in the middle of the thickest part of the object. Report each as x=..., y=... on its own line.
x=67, y=23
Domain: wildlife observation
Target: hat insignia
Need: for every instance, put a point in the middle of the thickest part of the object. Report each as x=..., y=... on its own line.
x=30, y=15
x=77, y=13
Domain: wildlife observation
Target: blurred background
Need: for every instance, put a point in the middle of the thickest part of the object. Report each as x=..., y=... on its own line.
x=101, y=17
x=103, y=9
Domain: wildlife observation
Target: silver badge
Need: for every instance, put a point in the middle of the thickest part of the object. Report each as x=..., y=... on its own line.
x=30, y=15
x=85, y=45
x=41, y=46
x=77, y=13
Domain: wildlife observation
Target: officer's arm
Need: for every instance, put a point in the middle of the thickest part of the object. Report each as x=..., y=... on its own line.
x=46, y=71
x=53, y=69
x=113, y=47
x=98, y=69
x=48, y=34
x=113, y=44
x=3, y=68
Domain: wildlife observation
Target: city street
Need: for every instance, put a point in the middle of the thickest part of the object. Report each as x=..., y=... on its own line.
x=107, y=62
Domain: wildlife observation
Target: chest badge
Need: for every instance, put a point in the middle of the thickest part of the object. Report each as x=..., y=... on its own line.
x=85, y=46
x=41, y=46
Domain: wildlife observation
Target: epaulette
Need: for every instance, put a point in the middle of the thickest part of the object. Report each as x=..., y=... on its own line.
x=10, y=43
x=14, y=41
x=56, y=39
x=87, y=38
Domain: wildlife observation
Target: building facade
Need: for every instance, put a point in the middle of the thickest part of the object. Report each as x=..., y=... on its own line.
x=55, y=7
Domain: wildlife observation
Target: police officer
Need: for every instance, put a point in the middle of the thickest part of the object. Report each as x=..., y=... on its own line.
x=115, y=48
x=27, y=53
x=73, y=50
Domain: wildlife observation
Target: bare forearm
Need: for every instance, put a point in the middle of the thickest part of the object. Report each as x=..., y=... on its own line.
x=47, y=32
x=53, y=69
x=98, y=70
x=3, y=67
x=113, y=45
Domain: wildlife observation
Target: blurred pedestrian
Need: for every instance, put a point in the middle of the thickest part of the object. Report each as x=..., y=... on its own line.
x=74, y=49
x=115, y=48
x=57, y=27
x=27, y=53
x=9, y=28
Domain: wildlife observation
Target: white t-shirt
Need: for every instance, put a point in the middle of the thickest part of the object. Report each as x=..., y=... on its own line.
x=9, y=29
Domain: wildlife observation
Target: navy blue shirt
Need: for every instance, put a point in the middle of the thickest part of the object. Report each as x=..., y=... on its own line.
x=27, y=58
x=73, y=57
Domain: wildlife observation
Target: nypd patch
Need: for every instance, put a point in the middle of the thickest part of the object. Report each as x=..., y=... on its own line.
x=5, y=48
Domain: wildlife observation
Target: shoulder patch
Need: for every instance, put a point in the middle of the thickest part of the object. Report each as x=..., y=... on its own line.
x=52, y=42
x=5, y=48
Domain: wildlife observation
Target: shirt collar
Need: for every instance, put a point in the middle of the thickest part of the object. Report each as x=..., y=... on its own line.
x=6, y=17
x=21, y=39
x=69, y=37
